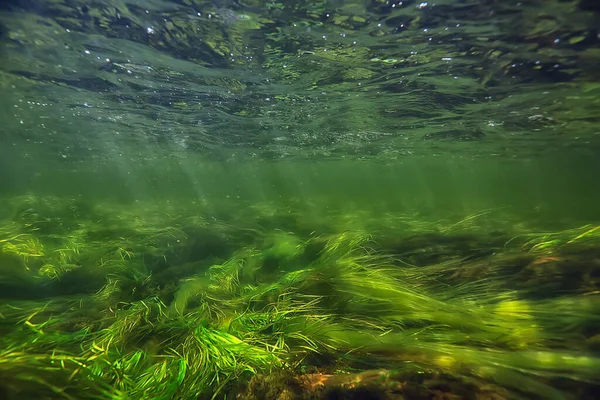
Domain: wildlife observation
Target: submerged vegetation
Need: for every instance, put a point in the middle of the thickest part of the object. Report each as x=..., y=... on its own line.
x=246, y=284
x=110, y=302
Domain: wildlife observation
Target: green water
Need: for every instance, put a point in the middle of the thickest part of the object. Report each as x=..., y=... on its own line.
x=299, y=200
x=560, y=187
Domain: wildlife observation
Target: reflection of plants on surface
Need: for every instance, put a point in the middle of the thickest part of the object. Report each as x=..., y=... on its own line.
x=140, y=306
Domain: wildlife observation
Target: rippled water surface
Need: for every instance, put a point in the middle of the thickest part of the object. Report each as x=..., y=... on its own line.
x=302, y=79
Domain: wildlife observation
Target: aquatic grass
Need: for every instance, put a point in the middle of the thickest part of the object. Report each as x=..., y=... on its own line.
x=53, y=374
x=127, y=325
x=364, y=283
x=550, y=242
x=221, y=357
x=282, y=301
x=291, y=328
x=517, y=370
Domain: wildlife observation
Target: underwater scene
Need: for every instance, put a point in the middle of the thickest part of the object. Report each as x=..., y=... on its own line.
x=299, y=199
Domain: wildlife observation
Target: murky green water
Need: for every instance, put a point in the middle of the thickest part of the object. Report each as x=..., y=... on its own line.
x=299, y=200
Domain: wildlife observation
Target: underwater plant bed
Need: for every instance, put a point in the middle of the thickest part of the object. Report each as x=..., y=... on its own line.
x=110, y=302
